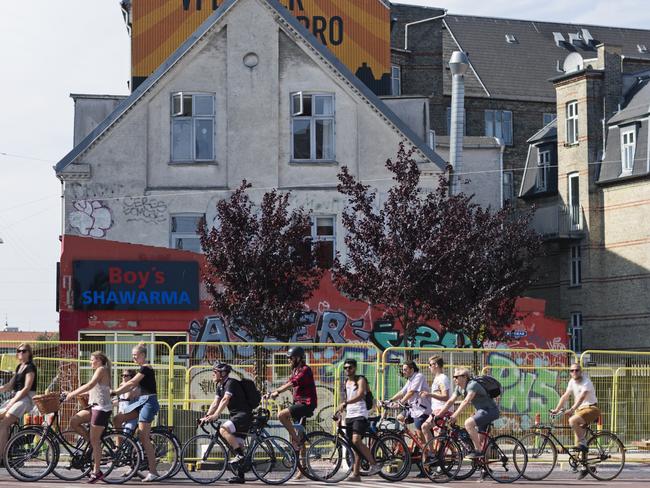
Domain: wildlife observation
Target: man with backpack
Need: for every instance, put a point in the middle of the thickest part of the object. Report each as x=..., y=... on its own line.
x=231, y=394
x=356, y=407
x=480, y=392
x=304, y=394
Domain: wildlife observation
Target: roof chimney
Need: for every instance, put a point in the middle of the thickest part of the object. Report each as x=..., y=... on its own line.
x=458, y=65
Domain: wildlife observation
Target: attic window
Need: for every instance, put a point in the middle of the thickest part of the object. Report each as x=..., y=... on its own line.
x=511, y=39
x=642, y=48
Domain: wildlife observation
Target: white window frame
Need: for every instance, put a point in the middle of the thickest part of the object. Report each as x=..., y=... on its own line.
x=182, y=235
x=576, y=331
x=396, y=80
x=575, y=265
x=507, y=181
x=499, y=118
x=193, y=119
x=314, y=229
x=628, y=149
x=543, y=170
x=572, y=133
x=297, y=115
x=548, y=117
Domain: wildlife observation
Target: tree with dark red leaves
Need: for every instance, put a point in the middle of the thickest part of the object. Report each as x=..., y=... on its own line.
x=430, y=255
x=260, y=266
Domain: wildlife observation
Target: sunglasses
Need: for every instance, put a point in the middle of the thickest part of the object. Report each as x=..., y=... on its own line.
x=20, y=351
x=348, y=367
x=574, y=370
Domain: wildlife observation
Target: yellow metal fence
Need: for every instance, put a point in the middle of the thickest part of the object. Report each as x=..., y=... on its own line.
x=533, y=379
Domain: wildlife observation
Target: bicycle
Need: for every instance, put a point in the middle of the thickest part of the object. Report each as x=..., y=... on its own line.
x=330, y=458
x=35, y=451
x=604, y=458
x=503, y=458
x=272, y=459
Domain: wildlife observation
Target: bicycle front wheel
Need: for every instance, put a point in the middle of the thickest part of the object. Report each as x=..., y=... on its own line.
x=329, y=459
x=273, y=460
x=75, y=459
x=30, y=455
x=204, y=459
x=167, y=454
x=505, y=459
x=542, y=455
x=392, y=454
x=120, y=457
x=605, y=458
x=445, y=457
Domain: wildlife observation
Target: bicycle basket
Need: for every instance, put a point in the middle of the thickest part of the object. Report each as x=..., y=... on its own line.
x=47, y=403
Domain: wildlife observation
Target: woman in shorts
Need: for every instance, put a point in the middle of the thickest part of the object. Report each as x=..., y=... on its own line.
x=145, y=408
x=23, y=384
x=127, y=399
x=98, y=412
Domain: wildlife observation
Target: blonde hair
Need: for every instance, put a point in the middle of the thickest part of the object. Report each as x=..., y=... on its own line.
x=462, y=372
x=103, y=358
x=27, y=347
x=141, y=347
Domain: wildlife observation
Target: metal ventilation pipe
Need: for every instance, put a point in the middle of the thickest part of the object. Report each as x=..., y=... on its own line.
x=458, y=63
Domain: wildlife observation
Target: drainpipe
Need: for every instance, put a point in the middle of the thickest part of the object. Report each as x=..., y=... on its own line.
x=406, y=27
x=458, y=63
x=503, y=148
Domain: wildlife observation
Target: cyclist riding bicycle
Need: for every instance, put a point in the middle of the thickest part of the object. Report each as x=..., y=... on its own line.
x=304, y=394
x=439, y=394
x=486, y=408
x=230, y=394
x=356, y=417
x=419, y=408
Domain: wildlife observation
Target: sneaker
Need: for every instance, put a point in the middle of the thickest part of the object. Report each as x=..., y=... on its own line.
x=150, y=478
x=354, y=479
x=582, y=474
x=237, y=480
x=94, y=478
x=421, y=475
x=236, y=458
x=374, y=469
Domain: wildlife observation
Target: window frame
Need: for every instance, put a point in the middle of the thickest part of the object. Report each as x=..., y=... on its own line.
x=575, y=266
x=627, y=169
x=509, y=140
x=575, y=208
x=193, y=120
x=312, y=127
x=543, y=170
x=576, y=329
x=396, y=79
x=182, y=235
x=511, y=185
x=330, y=238
x=572, y=117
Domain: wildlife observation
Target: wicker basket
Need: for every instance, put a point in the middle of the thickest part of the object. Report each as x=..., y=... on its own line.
x=82, y=401
x=47, y=403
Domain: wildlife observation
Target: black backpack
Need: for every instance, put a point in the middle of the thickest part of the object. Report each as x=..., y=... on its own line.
x=490, y=384
x=253, y=395
x=370, y=398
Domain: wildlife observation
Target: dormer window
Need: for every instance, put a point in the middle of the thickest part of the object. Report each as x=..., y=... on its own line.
x=628, y=147
x=543, y=169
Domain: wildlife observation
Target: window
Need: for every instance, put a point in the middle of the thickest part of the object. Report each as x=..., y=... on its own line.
x=185, y=232
x=192, y=127
x=543, y=169
x=323, y=232
x=449, y=122
x=574, y=201
x=576, y=331
x=576, y=265
x=572, y=123
x=312, y=127
x=396, y=80
x=508, y=187
x=628, y=146
x=498, y=123
x=547, y=118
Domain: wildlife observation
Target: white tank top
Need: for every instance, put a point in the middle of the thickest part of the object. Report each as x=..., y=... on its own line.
x=99, y=397
x=354, y=410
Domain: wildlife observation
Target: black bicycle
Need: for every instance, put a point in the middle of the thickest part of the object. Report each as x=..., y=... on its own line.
x=206, y=457
x=604, y=457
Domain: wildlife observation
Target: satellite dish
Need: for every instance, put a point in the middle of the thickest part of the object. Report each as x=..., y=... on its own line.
x=573, y=62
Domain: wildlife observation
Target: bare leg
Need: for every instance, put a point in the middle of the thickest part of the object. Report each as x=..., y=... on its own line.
x=357, y=440
x=285, y=419
x=232, y=439
x=144, y=434
x=81, y=417
x=95, y=441
x=6, y=421
x=472, y=430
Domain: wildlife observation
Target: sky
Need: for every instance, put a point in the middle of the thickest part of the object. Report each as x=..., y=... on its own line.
x=49, y=49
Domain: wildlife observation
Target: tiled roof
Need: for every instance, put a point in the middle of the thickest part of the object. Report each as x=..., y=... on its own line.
x=19, y=336
x=638, y=104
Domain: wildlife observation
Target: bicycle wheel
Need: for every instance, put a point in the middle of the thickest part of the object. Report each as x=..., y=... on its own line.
x=605, y=458
x=505, y=459
x=302, y=455
x=392, y=453
x=204, y=459
x=467, y=466
x=30, y=455
x=121, y=457
x=542, y=455
x=329, y=459
x=167, y=454
x=74, y=461
x=444, y=461
x=273, y=460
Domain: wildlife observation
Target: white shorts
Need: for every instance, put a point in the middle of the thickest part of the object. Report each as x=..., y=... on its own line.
x=21, y=407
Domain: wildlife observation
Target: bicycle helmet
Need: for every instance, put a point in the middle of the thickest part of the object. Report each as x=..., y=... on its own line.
x=296, y=352
x=222, y=368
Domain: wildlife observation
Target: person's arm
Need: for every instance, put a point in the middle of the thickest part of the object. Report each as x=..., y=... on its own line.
x=561, y=401
x=129, y=385
x=212, y=409
x=578, y=402
x=29, y=381
x=468, y=398
x=443, y=396
x=222, y=406
x=285, y=387
x=448, y=405
x=400, y=394
x=88, y=386
x=360, y=395
x=9, y=385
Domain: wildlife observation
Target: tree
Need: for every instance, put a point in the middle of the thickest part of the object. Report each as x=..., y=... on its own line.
x=260, y=269
x=424, y=256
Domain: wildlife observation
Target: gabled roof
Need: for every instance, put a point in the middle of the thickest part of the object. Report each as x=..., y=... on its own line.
x=521, y=69
x=549, y=131
x=638, y=104
x=203, y=29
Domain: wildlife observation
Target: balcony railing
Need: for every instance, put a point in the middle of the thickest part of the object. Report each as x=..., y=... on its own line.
x=559, y=222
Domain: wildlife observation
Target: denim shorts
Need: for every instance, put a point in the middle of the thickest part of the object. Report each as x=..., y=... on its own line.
x=419, y=421
x=149, y=410
x=484, y=417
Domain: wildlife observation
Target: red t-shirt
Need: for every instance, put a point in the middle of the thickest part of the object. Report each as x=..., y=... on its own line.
x=304, y=387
